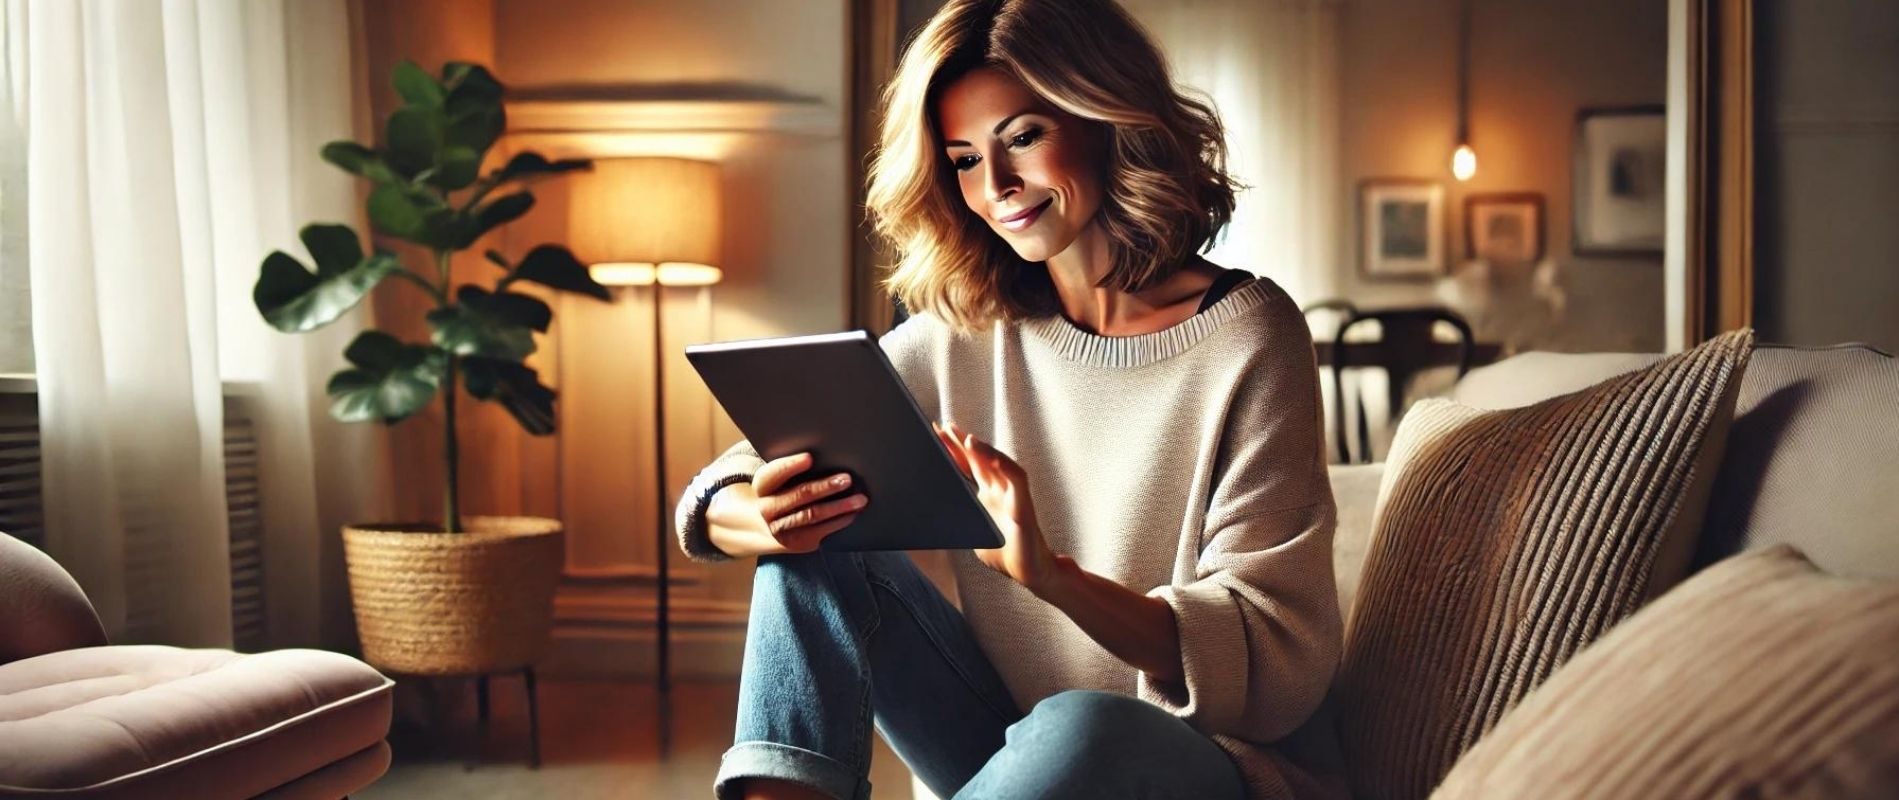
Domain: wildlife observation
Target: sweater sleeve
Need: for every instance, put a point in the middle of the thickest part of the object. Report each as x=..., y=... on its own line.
x=736, y=465
x=904, y=345
x=1258, y=619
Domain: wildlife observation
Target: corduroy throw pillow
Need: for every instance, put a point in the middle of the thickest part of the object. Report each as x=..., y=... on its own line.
x=1759, y=677
x=1505, y=541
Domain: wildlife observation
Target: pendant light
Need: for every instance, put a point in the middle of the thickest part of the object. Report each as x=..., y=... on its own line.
x=1464, y=159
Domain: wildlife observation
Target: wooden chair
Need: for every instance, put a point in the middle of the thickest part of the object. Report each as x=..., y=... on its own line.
x=1407, y=345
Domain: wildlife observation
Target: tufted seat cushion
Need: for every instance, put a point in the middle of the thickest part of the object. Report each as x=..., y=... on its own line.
x=158, y=722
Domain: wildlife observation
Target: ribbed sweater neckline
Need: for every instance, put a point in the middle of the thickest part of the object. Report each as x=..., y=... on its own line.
x=1075, y=344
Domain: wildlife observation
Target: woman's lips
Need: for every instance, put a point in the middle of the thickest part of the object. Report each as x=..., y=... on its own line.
x=1026, y=218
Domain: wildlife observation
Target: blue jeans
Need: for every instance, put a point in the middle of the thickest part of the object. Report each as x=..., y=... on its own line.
x=839, y=639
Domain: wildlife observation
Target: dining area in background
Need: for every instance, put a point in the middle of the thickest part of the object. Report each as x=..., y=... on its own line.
x=1374, y=363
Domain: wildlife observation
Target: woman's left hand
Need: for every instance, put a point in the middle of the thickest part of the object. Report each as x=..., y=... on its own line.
x=1003, y=488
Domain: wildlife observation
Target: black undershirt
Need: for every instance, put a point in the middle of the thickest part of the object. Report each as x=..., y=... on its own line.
x=1221, y=285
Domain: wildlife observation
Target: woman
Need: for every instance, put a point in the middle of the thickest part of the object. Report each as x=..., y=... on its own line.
x=1143, y=427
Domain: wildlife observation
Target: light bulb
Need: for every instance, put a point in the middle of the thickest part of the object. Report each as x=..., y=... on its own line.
x=1463, y=163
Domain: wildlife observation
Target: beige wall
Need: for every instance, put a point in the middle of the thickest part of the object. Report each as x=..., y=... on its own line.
x=785, y=256
x=1533, y=66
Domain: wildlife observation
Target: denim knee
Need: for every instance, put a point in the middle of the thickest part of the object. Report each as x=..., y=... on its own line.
x=817, y=566
x=1094, y=744
x=815, y=581
x=1082, y=716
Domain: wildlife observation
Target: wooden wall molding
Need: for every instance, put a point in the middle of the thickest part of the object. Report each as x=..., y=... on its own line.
x=781, y=117
x=608, y=631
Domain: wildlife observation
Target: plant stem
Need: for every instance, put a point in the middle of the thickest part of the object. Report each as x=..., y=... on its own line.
x=434, y=293
x=451, y=506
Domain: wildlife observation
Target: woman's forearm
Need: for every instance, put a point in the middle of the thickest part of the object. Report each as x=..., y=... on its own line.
x=1137, y=629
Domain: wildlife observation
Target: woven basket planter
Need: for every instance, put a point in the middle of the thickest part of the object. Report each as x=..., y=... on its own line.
x=476, y=602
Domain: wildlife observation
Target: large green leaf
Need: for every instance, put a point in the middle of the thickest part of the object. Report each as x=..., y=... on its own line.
x=359, y=160
x=417, y=86
x=498, y=212
x=417, y=216
x=495, y=325
x=391, y=380
x=476, y=127
x=415, y=137
x=530, y=166
x=292, y=298
x=394, y=210
x=510, y=307
x=516, y=387
x=459, y=167
x=470, y=84
x=556, y=267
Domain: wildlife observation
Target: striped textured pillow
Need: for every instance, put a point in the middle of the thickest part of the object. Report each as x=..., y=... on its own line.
x=1759, y=677
x=1507, y=540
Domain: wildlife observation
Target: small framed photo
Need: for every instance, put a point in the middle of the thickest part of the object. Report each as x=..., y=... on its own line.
x=1402, y=228
x=1619, y=169
x=1504, y=228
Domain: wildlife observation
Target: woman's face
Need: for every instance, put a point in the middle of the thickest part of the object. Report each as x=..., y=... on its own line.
x=1028, y=169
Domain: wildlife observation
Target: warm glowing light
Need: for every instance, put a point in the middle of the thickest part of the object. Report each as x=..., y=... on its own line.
x=1463, y=163
x=622, y=273
x=637, y=219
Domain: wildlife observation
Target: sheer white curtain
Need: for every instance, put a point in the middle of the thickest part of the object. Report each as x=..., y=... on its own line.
x=1271, y=68
x=169, y=146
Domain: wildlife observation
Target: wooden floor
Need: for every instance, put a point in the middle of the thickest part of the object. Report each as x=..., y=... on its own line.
x=599, y=739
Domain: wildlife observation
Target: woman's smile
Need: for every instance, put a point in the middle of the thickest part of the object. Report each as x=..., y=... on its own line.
x=1023, y=219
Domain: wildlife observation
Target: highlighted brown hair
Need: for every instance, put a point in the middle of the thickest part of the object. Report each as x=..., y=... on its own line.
x=1166, y=189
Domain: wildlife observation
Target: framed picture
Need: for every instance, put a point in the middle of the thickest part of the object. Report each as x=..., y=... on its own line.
x=1504, y=228
x=1401, y=228
x=1617, y=182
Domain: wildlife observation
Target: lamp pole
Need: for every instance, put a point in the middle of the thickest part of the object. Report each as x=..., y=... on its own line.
x=664, y=520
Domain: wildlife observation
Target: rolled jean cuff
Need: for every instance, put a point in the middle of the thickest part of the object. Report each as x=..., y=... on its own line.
x=784, y=762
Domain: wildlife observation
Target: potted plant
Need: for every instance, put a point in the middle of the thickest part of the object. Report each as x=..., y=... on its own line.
x=468, y=595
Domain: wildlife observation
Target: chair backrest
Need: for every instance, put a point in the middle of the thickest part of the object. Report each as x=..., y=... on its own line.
x=1407, y=344
x=42, y=609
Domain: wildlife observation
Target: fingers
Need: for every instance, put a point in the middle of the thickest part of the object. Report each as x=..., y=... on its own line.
x=775, y=474
x=955, y=449
x=809, y=515
x=786, y=506
x=987, y=458
x=807, y=539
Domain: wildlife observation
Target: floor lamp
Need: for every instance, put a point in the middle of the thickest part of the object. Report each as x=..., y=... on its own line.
x=651, y=222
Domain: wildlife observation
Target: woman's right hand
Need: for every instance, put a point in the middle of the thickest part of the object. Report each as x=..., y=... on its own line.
x=770, y=515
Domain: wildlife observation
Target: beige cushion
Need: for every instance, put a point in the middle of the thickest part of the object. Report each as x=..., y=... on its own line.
x=149, y=721
x=1811, y=458
x=1759, y=677
x=1528, y=378
x=1507, y=540
x=1813, y=461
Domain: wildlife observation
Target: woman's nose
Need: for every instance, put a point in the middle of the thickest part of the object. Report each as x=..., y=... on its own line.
x=1000, y=182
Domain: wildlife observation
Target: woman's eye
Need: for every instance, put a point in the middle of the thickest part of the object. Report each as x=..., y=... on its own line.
x=1026, y=138
x=964, y=163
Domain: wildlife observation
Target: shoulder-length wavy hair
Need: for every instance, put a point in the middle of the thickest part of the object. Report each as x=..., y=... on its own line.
x=1166, y=189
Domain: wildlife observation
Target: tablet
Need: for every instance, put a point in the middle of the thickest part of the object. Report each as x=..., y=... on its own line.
x=837, y=396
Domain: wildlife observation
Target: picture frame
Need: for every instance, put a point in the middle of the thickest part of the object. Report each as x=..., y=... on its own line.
x=1504, y=228
x=1617, y=181
x=1401, y=224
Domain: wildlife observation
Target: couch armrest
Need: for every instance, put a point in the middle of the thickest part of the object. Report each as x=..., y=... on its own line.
x=42, y=609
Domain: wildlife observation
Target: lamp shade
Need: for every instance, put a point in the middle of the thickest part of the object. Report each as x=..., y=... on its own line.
x=637, y=221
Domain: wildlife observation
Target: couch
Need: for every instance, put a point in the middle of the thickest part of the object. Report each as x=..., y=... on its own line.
x=80, y=718
x=1811, y=461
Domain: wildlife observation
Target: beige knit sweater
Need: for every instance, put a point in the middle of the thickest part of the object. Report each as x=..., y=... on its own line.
x=1187, y=464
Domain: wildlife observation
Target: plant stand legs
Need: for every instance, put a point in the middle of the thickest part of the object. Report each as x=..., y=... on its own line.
x=481, y=715
x=534, y=719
